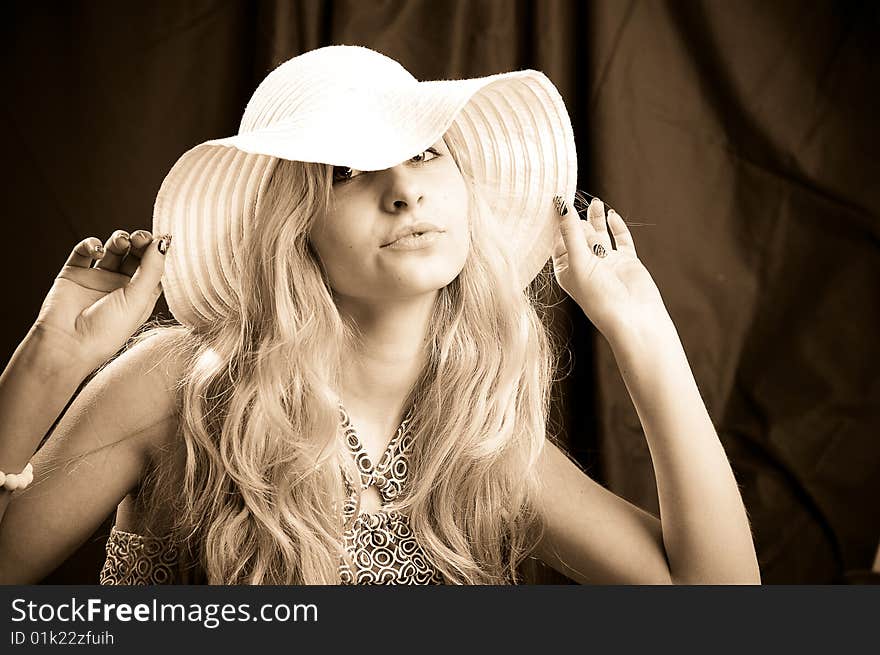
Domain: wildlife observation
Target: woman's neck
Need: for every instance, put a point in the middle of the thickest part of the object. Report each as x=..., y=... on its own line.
x=388, y=359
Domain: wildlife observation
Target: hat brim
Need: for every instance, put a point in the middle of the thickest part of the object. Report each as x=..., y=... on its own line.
x=511, y=132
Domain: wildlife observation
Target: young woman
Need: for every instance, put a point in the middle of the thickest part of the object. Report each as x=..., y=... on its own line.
x=357, y=389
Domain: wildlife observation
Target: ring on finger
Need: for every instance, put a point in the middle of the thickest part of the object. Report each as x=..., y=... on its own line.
x=599, y=250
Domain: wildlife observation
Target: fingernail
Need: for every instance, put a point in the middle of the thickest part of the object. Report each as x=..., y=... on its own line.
x=164, y=244
x=561, y=206
x=98, y=250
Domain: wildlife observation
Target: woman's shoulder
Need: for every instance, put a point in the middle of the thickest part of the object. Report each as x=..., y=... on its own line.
x=155, y=358
x=141, y=384
x=161, y=352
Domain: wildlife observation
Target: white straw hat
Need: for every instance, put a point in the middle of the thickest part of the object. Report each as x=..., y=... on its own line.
x=351, y=106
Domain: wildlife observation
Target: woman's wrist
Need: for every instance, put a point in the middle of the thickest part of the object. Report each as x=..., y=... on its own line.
x=645, y=337
x=35, y=386
x=655, y=369
x=52, y=355
x=653, y=364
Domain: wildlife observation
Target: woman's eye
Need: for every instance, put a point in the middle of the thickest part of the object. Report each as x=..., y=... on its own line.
x=427, y=155
x=343, y=173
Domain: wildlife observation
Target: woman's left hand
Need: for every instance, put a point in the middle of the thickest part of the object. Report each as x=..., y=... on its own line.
x=611, y=285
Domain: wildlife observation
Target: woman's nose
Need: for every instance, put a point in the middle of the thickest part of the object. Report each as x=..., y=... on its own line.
x=403, y=190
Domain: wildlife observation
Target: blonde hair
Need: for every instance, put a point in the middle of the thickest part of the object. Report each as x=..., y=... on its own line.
x=261, y=485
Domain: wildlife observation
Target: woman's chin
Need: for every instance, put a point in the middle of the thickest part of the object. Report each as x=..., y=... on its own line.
x=418, y=279
x=413, y=286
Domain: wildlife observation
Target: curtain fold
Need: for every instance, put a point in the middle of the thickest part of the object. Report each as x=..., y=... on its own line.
x=737, y=137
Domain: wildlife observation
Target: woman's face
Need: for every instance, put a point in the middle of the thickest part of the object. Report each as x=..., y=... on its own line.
x=396, y=233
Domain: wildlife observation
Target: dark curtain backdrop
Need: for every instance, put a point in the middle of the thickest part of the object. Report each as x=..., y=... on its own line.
x=738, y=138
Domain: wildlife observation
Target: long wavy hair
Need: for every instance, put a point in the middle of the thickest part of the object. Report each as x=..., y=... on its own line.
x=258, y=476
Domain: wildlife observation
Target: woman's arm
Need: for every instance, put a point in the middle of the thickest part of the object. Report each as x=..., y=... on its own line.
x=99, y=298
x=87, y=315
x=706, y=531
x=592, y=535
x=36, y=385
x=97, y=454
x=703, y=535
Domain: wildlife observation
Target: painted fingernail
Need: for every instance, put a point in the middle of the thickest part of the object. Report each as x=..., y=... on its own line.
x=98, y=250
x=599, y=249
x=561, y=206
x=164, y=244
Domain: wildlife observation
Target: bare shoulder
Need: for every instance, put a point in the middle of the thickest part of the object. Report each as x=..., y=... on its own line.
x=98, y=453
x=136, y=393
x=151, y=370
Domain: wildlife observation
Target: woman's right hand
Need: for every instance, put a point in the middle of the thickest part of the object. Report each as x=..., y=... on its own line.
x=90, y=312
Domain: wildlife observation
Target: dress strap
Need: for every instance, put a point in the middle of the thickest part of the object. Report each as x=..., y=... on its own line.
x=389, y=475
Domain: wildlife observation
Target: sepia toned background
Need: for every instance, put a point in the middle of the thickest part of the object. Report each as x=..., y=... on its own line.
x=739, y=139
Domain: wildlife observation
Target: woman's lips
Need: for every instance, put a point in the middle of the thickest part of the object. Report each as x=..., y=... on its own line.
x=415, y=241
x=413, y=235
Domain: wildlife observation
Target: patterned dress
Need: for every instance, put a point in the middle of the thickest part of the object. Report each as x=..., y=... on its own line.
x=380, y=545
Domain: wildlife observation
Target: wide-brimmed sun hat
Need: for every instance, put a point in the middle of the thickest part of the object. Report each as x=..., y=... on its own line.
x=352, y=106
